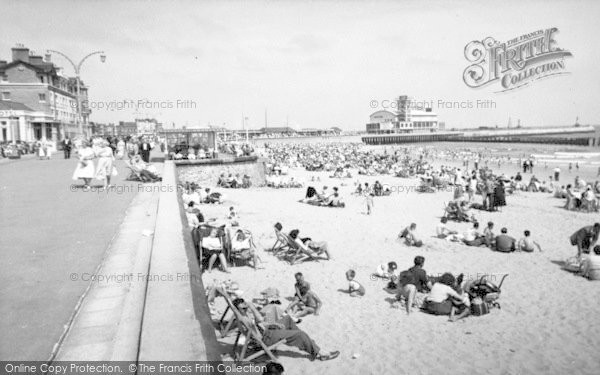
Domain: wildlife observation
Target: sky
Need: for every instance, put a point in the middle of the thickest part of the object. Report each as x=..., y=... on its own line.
x=308, y=64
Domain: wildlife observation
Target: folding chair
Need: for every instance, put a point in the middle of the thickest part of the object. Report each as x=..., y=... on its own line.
x=281, y=243
x=236, y=255
x=134, y=175
x=226, y=326
x=296, y=254
x=253, y=336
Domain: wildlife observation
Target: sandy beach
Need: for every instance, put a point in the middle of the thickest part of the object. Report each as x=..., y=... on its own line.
x=546, y=323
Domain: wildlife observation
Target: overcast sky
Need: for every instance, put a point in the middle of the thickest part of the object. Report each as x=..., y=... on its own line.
x=318, y=64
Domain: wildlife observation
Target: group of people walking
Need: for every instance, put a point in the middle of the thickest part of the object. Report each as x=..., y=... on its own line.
x=99, y=149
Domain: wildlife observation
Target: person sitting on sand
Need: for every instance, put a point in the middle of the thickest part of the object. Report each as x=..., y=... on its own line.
x=443, y=232
x=355, y=289
x=527, y=244
x=413, y=281
x=310, y=247
x=588, y=200
x=488, y=235
x=462, y=310
x=472, y=237
x=443, y=297
x=504, y=242
x=285, y=329
x=585, y=238
x=590, y=267
x=304, y=297
x=410, y=236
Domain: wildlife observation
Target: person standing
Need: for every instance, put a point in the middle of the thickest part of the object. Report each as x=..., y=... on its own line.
x=145, y=148
x=120, y=149
x=67, y=145
x=43, y=149
x=105, y=168
x=557, y=173
x=85, y=167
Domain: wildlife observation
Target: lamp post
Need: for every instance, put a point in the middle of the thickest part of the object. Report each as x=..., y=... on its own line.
x=77, y=68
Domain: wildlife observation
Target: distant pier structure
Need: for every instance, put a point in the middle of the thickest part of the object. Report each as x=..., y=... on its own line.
x=575, y=135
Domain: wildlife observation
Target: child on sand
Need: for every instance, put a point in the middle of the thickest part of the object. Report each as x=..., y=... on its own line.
x=354, y=287
x=527, y=244
x=369, y=202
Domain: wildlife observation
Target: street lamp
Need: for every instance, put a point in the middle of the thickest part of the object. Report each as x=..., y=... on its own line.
x=77, y=68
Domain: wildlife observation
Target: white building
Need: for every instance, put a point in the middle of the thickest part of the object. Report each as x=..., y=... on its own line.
x=409, y=116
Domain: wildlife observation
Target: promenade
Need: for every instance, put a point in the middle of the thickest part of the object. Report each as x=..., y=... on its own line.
x=52, y=238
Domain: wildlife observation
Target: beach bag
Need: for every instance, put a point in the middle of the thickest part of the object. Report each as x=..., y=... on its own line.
x=479, y=307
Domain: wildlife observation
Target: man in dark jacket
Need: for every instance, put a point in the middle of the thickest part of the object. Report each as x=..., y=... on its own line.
x=145, y=148
x=67, y=145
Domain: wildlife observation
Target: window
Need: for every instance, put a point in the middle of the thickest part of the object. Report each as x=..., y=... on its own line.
x=42, y=97
x=5, y=95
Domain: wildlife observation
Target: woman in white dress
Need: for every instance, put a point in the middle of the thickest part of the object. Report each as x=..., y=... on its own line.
x=43, y=149
x=120, y=149
x=105, y=168
x=85, y=166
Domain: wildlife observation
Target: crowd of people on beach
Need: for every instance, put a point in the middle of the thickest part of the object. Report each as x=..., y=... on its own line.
x=446, y=294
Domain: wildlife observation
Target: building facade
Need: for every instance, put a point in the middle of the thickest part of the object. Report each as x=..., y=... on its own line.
x=50, y=98
x=408, y=117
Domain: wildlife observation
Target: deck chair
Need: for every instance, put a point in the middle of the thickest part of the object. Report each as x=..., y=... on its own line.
x=226, y=326
x=296, y=254
x=281, y=243
x=253, y=336
x=134, y=175
x=236, y=256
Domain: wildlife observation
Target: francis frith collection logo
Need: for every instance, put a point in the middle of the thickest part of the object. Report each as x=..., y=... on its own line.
x=515, y=63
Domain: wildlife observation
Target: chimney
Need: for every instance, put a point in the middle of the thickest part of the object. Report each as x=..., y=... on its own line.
x=2, y=63
x=20, y=53
x=36, y=60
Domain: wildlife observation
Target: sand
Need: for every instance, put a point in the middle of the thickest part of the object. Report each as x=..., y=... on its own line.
x=548, y=322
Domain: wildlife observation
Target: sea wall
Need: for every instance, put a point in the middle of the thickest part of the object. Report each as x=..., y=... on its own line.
x=207, y=172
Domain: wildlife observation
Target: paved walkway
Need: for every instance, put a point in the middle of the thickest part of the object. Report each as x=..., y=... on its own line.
x=50, y=235
x=97, y=275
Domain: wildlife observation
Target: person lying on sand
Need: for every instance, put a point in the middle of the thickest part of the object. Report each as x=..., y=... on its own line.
x=284, y=329
x=387, y=271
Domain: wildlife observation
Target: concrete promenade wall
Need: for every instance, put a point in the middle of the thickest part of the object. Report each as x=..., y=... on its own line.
x=207, y=172
x=177, y=324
